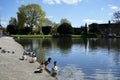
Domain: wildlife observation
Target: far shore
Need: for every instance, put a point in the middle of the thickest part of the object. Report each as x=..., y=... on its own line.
x=12, y=68
x=43, y=36
x=56, y=36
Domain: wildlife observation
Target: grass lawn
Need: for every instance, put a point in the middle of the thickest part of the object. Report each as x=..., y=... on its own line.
x=40, y=36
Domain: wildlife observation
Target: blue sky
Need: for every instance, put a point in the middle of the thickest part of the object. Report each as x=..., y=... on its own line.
x=78, y=12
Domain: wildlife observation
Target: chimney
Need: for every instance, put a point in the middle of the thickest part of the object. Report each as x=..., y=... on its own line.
x=109, y=22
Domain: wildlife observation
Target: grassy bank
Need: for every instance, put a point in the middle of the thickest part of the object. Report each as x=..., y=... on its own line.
x=32, y=36
x=40, y=36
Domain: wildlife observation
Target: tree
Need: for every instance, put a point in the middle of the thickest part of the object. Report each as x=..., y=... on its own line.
x=14, y=24
x=13, y=21
x=116, y=17
x=54, y=29
x=48, y=22
x=11, y=29
x=21, y=19
x=46, y=29
x=65, y=28
x=30, y=15
x=64, y=20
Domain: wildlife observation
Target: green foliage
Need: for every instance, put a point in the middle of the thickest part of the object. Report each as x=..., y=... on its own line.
x=64, y=20
x=25, y=30
x=13, y=21
x=46, y=30
x=54, y=28
x=21, y=19
x=30, y=15
x=65, y=29
x=48, y=22
x=77, y=31
x=11, y=29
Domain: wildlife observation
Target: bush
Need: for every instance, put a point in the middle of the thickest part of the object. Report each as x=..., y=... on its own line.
x=46, y=29
x=25, y=30
x=11, y=29
x=65, y=29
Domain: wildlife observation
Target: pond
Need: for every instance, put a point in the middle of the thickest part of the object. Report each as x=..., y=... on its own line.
x=79, y=59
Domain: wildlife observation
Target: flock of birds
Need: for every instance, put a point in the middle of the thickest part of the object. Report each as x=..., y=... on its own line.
x=43, y=65
x=31, y=54
x=27, y=54
x=6, y=51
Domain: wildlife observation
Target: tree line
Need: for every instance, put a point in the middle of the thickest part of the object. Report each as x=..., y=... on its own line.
x=31, y=19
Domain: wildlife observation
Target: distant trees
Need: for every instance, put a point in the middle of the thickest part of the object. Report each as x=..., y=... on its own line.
x=12, y=28
x=31, y=20
x=54, y=28
x=64, y=20
x=116, y=17
x=65, y=29
x=13, y=21
x=48, y=22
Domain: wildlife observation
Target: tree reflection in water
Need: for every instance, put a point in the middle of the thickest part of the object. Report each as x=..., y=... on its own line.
x=103, y=54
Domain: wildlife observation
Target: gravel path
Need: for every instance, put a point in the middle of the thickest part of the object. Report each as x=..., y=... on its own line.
x=12, y=68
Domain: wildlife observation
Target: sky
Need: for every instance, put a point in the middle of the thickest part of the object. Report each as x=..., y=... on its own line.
x=78, y=12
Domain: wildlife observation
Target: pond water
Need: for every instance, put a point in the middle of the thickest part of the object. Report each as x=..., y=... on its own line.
x=79, y=59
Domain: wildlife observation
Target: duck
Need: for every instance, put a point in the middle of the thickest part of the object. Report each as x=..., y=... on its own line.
x=34, y=59
x=24, y=57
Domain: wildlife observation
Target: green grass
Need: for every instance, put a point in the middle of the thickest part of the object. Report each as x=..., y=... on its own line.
x=32, y=36
x=40, y=36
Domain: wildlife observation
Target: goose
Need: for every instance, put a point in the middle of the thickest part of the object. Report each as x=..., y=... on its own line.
x=34, y=59
x=24, y=56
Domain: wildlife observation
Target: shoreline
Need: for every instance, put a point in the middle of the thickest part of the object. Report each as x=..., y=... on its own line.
x=12, y=68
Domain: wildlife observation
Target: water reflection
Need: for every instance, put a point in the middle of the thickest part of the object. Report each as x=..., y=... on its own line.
x=93, y=59
x=71, y=72
x=64, y=44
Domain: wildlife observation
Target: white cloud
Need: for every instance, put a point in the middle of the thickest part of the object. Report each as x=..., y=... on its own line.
x=25, y=1
x=61, y=1
x=58, y=1
x=113, y=7
x=71, y=1
x=49, y=17
x=92, y=21
x=49, y=1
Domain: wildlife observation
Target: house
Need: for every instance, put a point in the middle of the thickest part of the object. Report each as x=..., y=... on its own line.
x=110, y=29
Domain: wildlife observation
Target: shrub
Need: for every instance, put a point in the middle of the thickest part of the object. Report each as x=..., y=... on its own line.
x=65, y=28
x=46, y=29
